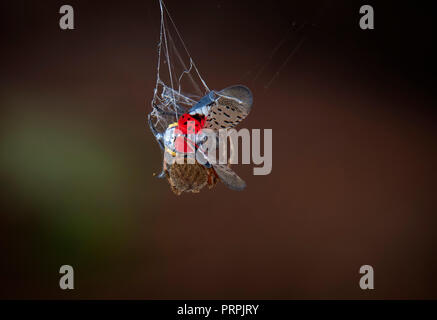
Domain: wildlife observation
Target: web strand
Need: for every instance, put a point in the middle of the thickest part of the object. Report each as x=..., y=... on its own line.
x=171, y=97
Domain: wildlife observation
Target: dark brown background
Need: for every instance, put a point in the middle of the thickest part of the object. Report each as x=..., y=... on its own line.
x=354, y=142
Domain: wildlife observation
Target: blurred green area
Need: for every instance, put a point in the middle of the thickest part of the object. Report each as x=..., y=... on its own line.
x=76, y=191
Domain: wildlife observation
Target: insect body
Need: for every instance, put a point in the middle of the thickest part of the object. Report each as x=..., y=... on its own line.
x=185, y=137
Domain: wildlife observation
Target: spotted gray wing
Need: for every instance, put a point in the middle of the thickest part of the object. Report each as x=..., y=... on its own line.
x=229, y=177
x=231, y=106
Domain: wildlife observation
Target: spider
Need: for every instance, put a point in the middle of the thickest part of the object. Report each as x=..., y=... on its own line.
x=223, y=109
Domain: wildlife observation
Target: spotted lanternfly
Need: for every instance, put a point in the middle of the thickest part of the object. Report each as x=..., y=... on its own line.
x=224, y=109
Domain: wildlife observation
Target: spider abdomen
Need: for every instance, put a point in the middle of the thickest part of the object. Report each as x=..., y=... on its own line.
x=190, y=177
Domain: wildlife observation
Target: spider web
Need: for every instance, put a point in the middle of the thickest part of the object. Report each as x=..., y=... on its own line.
x=179, y=84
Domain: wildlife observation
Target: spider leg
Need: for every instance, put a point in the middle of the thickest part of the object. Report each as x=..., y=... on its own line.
x=161, y=175
x=162, y=112
x=202, y=159
x=179, y=110
x=158, y=136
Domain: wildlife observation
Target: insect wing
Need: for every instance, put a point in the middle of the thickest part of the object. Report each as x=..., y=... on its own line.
x=229, y=177
x=202, y=107
x=231, y=106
